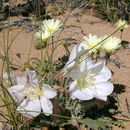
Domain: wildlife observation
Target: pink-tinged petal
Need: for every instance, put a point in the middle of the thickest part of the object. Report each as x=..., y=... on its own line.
x=103, y=76
x=30, y=108
x=17, y=93
x=102, y=90
x=48, y=91
x=21, y=80
x=46, y=106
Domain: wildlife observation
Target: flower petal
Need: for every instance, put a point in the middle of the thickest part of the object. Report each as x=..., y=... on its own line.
x=76, y=52
x=104, y=75
x=48, y=91
x=74, y=74
x=46, y=105
x=102, y=90
x=16, y=92
x=72, y=85
x=32, y=106
x=21, y=80
x=81, y=94
x=103, y=98
x=88, y=93
x=73, y=55
x=86, y=63
x=33, y=77
x=96, y=68
x=72, y=64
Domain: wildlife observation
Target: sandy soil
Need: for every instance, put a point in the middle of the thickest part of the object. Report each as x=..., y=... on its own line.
x=87, y=24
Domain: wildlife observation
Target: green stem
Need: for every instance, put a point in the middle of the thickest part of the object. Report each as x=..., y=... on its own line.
x=107, y=57
x=97, y=55
x=52, y=51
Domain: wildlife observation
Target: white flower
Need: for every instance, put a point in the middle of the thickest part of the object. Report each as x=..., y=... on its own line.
x=32, y=97
x=51, y=25
x=111, y=44
x=91, y=43
x=43, y=35
x=91, y=81
x=120, y=24
x=47, y=29
x=74, y=60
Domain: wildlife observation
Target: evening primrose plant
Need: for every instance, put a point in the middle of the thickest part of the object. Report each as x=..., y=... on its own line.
x=72, y=95
x=31, y=96
x=91, y=81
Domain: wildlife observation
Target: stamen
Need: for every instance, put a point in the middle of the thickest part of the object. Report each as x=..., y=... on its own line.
x=52, y=29
x=32, y=92
x=86, y=80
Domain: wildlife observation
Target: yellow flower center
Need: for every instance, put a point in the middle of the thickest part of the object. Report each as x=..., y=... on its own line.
x=92, y=45
x=33, y=92
x=52, y=29
x=86, y=80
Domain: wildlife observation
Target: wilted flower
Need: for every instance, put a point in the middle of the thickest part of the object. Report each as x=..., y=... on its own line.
x=111, y=44
x=91, y=43
x=31, y=96
x=120, y=24
x=91, y=81
x=43, y=35
x=51, y=25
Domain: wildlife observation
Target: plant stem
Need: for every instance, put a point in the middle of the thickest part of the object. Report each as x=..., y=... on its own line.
x=121, y=34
